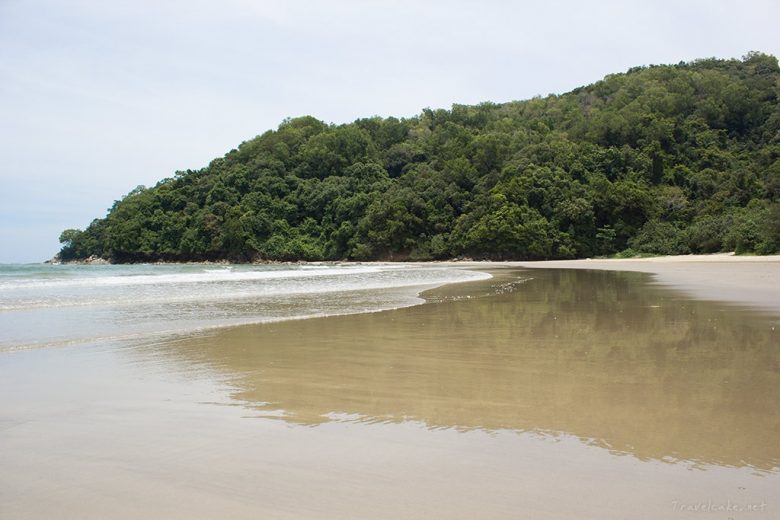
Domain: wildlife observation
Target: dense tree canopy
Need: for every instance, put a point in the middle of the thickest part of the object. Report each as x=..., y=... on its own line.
x=659, y=160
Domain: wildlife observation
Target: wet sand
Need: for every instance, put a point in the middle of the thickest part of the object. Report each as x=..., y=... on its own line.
x=540, y=394
x=752, y=281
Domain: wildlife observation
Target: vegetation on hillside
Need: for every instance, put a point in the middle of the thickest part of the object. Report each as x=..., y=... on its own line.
x=662, y=159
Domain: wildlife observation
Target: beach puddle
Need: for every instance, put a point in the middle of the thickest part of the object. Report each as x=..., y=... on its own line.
x=602, y=356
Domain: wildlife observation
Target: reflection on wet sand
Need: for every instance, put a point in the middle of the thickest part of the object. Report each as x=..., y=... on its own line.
x=602, y=356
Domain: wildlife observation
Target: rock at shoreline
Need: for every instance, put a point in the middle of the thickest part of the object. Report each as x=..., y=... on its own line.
x=92, y=260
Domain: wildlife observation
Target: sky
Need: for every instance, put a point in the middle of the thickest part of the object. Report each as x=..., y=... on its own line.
x=98, y=97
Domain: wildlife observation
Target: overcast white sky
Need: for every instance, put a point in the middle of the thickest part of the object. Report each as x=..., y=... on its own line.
x=97, y=97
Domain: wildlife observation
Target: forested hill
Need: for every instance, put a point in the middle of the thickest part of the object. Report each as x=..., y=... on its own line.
x=662, y=159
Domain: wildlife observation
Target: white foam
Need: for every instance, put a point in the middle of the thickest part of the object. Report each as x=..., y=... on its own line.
x=108, y=304
x=206, y=276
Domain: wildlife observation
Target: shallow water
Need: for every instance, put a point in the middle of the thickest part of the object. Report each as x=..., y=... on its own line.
x=601, y=356
x=58, y=305
x=536, y=394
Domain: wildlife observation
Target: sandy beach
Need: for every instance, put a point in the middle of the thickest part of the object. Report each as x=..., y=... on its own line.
x=584, y=393
x=752, y=281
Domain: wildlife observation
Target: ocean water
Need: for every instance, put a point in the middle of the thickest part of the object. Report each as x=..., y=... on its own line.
x=56, y=305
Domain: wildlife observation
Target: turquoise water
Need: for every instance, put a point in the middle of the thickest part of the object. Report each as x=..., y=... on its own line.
x=53, y=305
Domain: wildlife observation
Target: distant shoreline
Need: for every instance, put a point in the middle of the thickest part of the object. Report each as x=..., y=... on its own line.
x=94, y=260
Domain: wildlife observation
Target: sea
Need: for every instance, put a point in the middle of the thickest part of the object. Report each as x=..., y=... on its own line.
x=45, y=305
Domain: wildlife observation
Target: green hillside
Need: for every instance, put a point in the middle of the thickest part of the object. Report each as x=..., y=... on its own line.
x=665, y=159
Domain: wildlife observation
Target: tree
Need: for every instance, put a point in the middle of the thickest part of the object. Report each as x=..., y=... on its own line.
x=661, y=159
